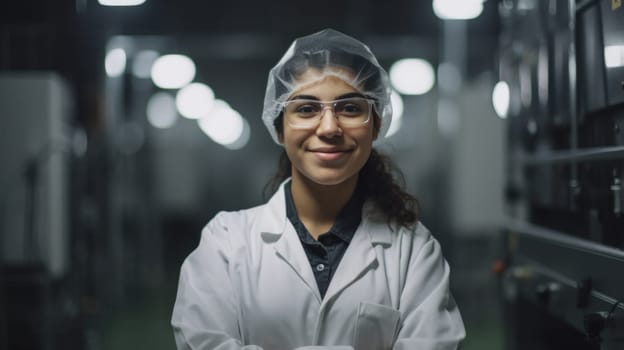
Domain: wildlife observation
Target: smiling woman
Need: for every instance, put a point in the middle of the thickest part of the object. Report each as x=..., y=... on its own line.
x=337, y=259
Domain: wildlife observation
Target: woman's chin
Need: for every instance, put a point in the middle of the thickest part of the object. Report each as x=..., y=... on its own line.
x=329, y=178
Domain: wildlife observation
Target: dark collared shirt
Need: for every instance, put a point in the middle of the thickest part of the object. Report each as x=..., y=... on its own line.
x=325, y=253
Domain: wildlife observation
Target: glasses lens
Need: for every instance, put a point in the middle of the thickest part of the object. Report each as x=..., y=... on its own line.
x=304, y=108
x=303, y=113
x=307, y=113
x=352, y=111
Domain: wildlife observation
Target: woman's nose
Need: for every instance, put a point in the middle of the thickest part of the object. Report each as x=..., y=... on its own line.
x=328, y=125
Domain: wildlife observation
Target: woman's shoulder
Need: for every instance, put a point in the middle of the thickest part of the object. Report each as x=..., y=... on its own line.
x=411, y=237
x=225, y=219
x=417, y=232
x=232, y=224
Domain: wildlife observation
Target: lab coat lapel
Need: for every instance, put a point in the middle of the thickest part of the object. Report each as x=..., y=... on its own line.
x=360, y=254
x=356, y=261
x=290, y=250
x=277, y=231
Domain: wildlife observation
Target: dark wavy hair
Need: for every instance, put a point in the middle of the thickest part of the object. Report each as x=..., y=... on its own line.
x=379, y=180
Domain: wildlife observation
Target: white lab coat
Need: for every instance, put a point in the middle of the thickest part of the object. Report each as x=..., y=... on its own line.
x=249, y=285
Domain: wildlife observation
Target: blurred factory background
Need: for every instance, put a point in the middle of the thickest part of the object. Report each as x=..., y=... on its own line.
x=127, y=124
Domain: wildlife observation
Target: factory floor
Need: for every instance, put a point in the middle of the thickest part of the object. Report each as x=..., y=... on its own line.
x=144, y=325
x=475, y=288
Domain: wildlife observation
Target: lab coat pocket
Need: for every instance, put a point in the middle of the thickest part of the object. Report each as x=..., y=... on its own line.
x=376, y=327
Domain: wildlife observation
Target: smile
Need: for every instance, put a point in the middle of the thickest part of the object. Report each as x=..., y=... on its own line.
x=329, y=154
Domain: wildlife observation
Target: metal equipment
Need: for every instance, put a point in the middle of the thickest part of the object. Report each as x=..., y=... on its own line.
x=564, y=62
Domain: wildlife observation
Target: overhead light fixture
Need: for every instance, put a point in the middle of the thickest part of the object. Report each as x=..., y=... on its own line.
x=501, y=98
x=457, y=9
x=115, y=62
x=173, y=71
x=195, y=100
x=224, y=125
x=121, y=2
x=412, y=76
x=243, y=139
x=614, y=56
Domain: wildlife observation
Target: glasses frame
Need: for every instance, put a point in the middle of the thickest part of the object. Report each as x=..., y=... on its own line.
x=328, y=104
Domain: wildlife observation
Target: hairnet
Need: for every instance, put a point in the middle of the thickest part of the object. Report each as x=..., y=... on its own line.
x=327, y=50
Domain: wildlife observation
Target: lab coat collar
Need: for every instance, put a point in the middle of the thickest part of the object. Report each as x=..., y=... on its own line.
x=358, y=258
x=274, y=220
x=273, y=216
x=375, y=224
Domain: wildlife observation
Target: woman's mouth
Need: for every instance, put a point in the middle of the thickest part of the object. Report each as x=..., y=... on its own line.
x=330, y=154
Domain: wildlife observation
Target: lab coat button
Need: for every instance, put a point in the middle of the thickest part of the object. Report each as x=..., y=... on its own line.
x=320, y=267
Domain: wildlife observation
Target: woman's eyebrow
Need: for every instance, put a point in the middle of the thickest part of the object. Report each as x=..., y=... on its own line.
x=304, y=97
x=312, y=97
x=349, y=95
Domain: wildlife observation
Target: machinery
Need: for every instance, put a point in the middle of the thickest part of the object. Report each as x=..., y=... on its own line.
x=35, y=247
x=564, y=63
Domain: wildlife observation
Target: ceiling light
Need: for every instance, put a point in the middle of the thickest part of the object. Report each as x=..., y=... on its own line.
x=223, y=124
x=121, y=2
x=412, y=76
x=614, y=56
x=115, y=62
x=173, y=71
x=243, y=139
x=500, y=99
x=457, y=9
x=195, y=100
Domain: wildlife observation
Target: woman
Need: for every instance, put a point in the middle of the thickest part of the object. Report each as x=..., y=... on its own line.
x=337, y=258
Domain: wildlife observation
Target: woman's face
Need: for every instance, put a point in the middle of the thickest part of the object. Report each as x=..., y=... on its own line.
x=328, y=154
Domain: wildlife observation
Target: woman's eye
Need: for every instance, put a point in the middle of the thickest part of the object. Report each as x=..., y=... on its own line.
x=350, y=109
x=307, y=109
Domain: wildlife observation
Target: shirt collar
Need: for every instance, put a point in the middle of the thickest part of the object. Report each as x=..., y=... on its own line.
x=274, y=219
x=346, y=222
